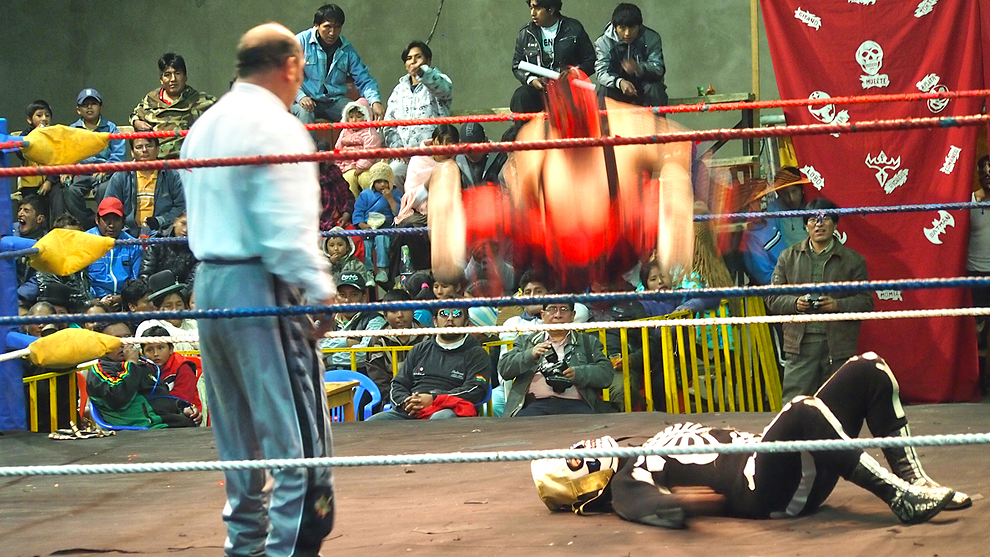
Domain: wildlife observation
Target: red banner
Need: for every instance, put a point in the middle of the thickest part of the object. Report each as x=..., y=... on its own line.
x=824, y=48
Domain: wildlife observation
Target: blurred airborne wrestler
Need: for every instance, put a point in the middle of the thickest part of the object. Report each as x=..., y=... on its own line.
x=589, y=214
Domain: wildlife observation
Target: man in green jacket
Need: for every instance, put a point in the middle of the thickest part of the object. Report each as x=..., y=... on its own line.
x=572, y=386
x=816, y=350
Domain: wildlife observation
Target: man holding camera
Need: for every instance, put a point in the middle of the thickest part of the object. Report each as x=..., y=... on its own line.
x=556, y=372
x=814, y=351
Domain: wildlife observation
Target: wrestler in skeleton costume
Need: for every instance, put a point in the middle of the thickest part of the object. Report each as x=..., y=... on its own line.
x=761, y=485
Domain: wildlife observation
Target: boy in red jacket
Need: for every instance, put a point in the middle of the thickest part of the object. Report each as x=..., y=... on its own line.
x=178, y=372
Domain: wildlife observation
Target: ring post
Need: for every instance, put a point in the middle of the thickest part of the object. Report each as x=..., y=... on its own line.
x=12, y=409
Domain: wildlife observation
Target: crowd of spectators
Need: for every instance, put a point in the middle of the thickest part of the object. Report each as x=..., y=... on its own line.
x=445, y=375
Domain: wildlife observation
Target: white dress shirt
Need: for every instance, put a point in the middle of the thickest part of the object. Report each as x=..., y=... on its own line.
x=244, y=212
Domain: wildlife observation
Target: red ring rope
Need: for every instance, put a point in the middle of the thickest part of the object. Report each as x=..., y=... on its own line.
x=705, y=135
x=699, y=107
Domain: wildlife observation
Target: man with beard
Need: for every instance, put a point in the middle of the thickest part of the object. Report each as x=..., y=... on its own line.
x=441, y=378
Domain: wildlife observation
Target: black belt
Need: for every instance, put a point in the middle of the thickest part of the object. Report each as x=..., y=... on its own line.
x=249, y=260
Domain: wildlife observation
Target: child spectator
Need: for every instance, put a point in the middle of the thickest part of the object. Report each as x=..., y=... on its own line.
x=89, y=107
x=31, y=223
x=413, y=208
x=419, y=285
x=351, y=289
x=134, y=296
x=77, y=283
x=336, y=200
x=166, y=294
x=178, y=373
x=355, y=171
x=340, y=252
x=383, y=199
x=39, y=115
x=128, y=391
x=382, y=365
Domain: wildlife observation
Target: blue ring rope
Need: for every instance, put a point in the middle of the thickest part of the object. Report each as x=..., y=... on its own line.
x=501, y=301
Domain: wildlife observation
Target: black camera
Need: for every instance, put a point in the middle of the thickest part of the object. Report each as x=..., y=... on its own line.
x=552, y=370
x=814, y=300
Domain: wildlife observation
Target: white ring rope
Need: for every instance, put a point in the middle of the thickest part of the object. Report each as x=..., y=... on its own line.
x=652, y=323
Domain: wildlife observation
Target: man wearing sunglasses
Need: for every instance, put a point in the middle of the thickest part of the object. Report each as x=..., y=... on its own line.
x=441, y=378
x=556, y=372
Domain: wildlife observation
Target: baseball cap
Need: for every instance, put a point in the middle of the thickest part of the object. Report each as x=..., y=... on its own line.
x=473, y=132
x=110, y=205
x=88, y=93
x=350, y=278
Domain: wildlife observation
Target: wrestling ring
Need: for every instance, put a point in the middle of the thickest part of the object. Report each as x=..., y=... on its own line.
x=481, y=498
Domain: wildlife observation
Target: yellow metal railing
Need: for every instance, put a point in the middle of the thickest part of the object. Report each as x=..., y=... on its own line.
x=53, y=402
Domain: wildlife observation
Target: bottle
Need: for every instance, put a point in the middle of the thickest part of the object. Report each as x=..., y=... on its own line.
x=405, y=264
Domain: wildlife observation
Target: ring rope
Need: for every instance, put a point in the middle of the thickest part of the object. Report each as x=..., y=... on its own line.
x=511, y=117
x=593, y=325
x=915, y=208
x=500, y=456
x=507, y=146
x=500, y=301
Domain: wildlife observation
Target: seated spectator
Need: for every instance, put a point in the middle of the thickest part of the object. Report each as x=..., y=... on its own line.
x=95, y=307
x=58, y=295
x=351, y=289
x=32, y=223
x=419, y=285
x=173, y=107
x=178, y=373
x=166, y=294
x=108, y=274
x=381, y=198
x=629, y=60
x=449, y=288
x=39, y=115
x=762, y=241
x=788, y=195
x=488, y=266
x=128, y=390
x=89, y=107
x=477, y=168
x=151, y=198
x=134, y=297
x=552, y=41
x=174, y=257
x=443, y=377
x=330, y=60
x=77, y=283
x=41, y=329
x=350, y=139
x=416, y=195
x=336, y=200
x=381, y=364
x=424, y=92
x=579, y=367
x=340, y=252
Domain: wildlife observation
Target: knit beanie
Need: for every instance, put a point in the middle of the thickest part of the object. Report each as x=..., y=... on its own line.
x=381, y=171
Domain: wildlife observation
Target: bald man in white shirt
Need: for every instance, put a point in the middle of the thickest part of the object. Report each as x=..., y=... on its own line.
x=255, y=229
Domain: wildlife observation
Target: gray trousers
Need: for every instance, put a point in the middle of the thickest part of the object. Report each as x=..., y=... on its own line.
x=807, y=371
x=264, y=384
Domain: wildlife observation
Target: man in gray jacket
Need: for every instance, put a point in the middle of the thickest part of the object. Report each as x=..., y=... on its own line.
x=629, y=60
x=816, y=350
x=573, y=386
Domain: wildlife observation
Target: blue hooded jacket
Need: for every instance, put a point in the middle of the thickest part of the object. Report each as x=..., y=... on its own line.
x=108, y=274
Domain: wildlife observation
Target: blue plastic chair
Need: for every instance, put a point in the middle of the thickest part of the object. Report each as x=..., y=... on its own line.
x=364, y=384
x=95, y=414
